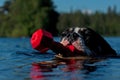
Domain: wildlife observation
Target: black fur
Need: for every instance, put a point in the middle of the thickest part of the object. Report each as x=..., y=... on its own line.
x=96, y=43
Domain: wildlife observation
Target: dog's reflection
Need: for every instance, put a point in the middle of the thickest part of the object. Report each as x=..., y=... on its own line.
x=67, y=65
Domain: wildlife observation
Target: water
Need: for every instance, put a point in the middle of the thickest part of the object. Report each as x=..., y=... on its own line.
x=17, y=56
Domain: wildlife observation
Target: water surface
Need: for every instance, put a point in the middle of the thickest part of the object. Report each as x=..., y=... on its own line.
x=17, y=56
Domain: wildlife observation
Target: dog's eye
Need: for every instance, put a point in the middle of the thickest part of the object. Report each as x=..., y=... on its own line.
x=63, y=34
x=75, y=36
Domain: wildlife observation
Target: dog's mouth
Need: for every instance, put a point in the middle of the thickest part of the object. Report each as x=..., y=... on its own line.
x=71, y=37
x=74, y=39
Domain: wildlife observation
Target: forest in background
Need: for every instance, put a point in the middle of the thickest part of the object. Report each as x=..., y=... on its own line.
x=107, y=24
x=20, y=18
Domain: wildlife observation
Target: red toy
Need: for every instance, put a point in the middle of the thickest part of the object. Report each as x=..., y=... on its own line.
x=38, y=39
x=42, y=41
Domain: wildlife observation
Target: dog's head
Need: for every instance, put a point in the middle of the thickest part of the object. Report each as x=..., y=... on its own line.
x=72, y=34
x=89, y=38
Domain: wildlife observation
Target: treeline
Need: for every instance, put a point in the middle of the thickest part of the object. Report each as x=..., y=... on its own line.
x=107, y=24
x=20, y=18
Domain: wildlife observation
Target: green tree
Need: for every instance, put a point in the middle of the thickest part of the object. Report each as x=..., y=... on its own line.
x=104, y=23
x=25, y=16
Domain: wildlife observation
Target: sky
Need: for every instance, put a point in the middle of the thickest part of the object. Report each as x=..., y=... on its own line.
x=2, y=2
x=90, y=5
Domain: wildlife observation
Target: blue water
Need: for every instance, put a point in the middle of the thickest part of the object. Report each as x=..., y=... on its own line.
x=17, y=56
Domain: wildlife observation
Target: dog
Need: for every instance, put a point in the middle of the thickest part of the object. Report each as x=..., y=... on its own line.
x=88, y=41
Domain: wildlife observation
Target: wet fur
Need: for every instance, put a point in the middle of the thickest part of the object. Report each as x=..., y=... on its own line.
x=95, y=42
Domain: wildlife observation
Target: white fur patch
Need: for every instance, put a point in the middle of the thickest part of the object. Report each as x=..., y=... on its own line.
x=76, y=29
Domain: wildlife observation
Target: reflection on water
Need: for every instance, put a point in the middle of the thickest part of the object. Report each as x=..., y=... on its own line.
x=20, y=62
x=70, y=69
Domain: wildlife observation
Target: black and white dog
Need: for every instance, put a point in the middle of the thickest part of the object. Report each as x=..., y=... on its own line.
x=88, y=41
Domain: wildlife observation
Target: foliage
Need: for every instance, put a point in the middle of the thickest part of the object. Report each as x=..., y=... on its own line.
x=106, y=24
x=24, y=17
x=20, y=18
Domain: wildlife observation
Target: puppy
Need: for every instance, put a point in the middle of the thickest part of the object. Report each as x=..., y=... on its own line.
x=88, y=41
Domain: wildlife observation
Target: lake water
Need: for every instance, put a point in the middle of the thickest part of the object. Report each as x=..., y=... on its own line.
x=17, y=56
